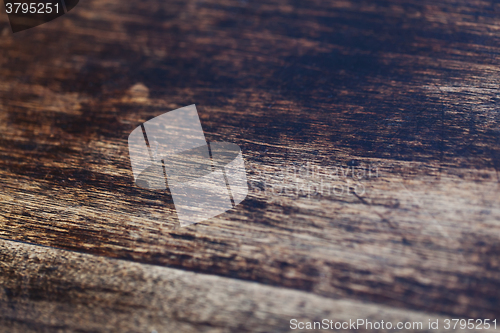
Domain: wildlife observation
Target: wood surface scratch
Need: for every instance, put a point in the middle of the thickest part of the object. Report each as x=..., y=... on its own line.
x=406, y=89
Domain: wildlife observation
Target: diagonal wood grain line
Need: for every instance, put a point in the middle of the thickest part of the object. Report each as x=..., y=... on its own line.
x=97, y=294
x=407, y=87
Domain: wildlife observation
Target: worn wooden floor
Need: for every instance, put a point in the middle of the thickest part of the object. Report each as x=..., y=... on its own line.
x=370, y=131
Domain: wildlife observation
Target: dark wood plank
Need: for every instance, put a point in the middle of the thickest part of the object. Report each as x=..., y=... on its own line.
x=406, y=87
x=50, y=290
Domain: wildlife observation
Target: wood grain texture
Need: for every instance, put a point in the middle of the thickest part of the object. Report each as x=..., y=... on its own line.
x=50, y=290
x=408, y=88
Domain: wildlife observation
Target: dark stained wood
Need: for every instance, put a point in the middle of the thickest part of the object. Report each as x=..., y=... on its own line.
x=406, y=88
x=48, y=290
